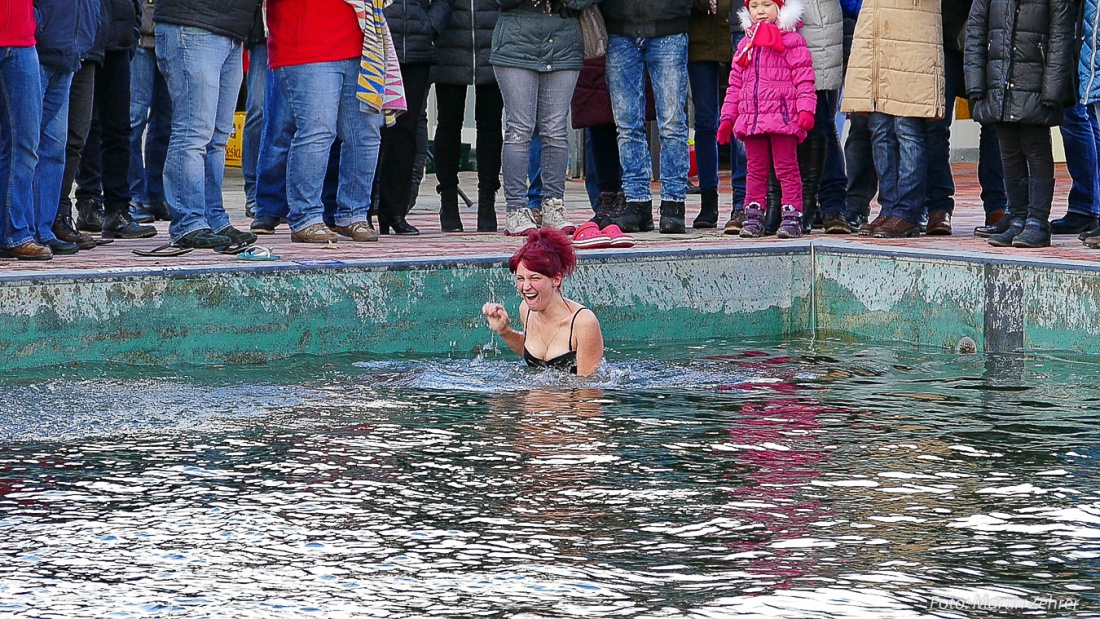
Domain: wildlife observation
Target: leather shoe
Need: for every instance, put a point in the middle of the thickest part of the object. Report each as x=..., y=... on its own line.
x=264, y=225
x=835, y=223
x=141, y=214
x=61, y=248
x=89, y=215
x=939, y=224
x=1073, y=223
x=63, y=229
x=28, y=251
x=868, y=229
x=994, y=216
x=896, y=228
x=399, y=225
x=118, y=225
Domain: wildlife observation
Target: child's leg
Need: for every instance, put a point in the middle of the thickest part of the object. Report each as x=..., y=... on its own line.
x=784, y=150
x=758, y=163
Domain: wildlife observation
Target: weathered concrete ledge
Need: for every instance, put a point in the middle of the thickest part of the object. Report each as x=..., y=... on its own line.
x=257, y=313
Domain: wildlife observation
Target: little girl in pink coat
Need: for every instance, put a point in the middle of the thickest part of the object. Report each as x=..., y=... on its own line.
x=770, y=107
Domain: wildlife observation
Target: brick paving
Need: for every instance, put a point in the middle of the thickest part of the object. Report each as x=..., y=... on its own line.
x=433, y=243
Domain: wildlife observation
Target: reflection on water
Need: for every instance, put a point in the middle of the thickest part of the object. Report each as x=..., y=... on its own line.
x=711, y=481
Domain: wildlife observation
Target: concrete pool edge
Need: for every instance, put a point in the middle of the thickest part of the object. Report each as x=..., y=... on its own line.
x=256, y=313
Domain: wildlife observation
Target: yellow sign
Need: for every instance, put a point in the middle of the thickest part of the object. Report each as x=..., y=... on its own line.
x=234, y=148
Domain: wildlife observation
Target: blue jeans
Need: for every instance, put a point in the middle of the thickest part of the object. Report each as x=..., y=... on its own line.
x=278, y=131
x=665, y=60
x=51, y=151
x=203, y=71
x=738, y=165
x=901, y=162
x=991, y=175
x=150, y=107
x=20, y=127
x=1081, y=137
x=534, y=172
x=833, y=191
x=254, y=118
x=321, y=99
x=705, y=76
x=859, y=163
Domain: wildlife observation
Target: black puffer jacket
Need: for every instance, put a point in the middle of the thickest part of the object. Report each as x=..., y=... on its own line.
x=646, y=18
x=228, y=18
x=415, y=24
x=1019, y=60
x=462, y=51
x=118, y=27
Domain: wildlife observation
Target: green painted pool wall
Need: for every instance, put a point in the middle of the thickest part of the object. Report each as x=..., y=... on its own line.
x=256, y=314
x=1004, y=305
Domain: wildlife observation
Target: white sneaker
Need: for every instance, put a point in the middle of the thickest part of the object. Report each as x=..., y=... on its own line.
x=553, y=216
x=520, y=222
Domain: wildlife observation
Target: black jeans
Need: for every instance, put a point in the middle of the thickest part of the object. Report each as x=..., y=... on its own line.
x=1026, y=150
x=398, y=145
x=605, y=152
x=488, y=116
x=110, y=131
x=81, y=96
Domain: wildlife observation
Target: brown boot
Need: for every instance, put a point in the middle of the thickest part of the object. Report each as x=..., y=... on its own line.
x=868, y=229
x=28, y=251
x=64, y=230
x=896, y=228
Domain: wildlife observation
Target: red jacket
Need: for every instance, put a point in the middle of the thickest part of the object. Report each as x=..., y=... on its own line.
x=308, y=31
x=17, y=28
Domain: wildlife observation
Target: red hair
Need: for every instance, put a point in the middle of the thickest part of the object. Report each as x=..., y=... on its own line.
x=547, y=252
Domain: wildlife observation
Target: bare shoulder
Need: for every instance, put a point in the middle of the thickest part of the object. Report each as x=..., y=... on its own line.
x=586, y=318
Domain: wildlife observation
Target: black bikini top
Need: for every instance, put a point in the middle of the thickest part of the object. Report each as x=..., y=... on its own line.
x=565, y=361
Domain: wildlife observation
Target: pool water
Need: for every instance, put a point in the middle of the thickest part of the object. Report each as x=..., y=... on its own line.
x=813, y=479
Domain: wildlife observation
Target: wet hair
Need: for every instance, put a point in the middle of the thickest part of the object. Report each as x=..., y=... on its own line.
x=547, y=252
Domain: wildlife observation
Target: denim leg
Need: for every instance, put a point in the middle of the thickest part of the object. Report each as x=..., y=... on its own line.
x=313, y=92
x=912, y=138
x=360, y=135
x=51, y=151
x=20, y=127
x=605, y=150
x=991, y=175
x=887, y=160
x=666, y=61
x=941, y=182
x=254, y=118
x=833, y=191
x=1079, y=132
x=591, y=172
x=157, y=135
x=142, y=67
x=278, y=131
x=704, y=77
x=534, y=172
x=738, y=169
x=200, y=68
x=625, y=78
x=519, y=88
x=859, y=161
x=552, y=118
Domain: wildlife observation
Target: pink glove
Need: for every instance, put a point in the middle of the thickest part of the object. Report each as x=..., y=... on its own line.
x=725, y=131
x=805, y=121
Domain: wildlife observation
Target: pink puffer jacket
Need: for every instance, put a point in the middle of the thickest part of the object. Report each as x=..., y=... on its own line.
x=767, y=95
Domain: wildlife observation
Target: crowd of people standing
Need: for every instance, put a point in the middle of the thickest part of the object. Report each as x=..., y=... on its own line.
x=127, y=106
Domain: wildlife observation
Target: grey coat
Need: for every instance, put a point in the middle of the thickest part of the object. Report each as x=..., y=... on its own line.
x=823, y=29
x=462, y=50
x=529, y=38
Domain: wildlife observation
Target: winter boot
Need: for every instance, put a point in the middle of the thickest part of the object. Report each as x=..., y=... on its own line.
x=1036, y=232
x=811, y=162
x=672, y=217
x=1012, y=224
x=486, y=211
x=773, y=213
x=630, y=218
x=754, y=221
x=708, y=210
x=449, y=219
x=90, y=214
x=792, y=225
x=1016, y=190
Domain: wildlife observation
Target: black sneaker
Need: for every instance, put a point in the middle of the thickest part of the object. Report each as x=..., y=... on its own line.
x=203, y=238
x=239, y=237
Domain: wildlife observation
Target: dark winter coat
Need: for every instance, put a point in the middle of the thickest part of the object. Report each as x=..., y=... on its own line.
x=1018, y=60
x=709, y=35
x=415, y=24
x=66, y=31
x=122, y=20
x=955, y=15
x=527, y=37
x=228, y=18
x=462, y=50
x=646, y=18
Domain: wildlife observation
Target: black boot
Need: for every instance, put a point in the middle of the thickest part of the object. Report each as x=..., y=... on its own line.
x=1012, y=224
x=1073, y=223
x=449, y=219
x=1016, y=190
x=118, y=225
x=811, y=163
x=631, y=217
x=388, y=219
x=773, y=216
x=672, y=217
x=90, y=215
x=708, y=210
x=1036, y=232
x=610, y=204
x=486, y=211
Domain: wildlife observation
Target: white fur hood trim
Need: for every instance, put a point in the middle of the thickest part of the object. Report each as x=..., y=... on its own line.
x=790, y=16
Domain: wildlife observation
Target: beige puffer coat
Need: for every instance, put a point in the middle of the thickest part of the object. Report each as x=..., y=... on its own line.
x=823, y=29
x=896, y=66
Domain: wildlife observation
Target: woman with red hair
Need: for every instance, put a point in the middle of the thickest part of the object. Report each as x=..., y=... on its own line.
x=557, y=332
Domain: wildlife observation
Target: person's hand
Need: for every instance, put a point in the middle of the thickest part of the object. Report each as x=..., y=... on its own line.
x=805, y=121
x=725, y=131
x=496, y=315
